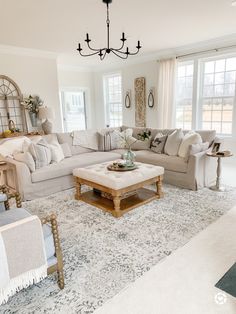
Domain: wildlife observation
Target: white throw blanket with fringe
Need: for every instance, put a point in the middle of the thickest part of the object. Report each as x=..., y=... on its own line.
x=22, y=256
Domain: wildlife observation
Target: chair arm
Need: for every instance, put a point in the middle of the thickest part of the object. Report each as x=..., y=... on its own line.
x=9, y=195
x=52, y=220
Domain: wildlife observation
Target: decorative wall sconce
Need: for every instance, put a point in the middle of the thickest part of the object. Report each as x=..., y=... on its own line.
x=151, y=97
x=128, y=99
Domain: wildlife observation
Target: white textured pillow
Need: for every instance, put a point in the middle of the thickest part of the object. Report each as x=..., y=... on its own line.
x=56, y=151
x=27, y=159
x=41, y=153
x=173, y=142
x=189, y=139
x=197, y=148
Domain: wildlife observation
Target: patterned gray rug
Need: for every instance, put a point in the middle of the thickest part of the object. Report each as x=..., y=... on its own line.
x=103, y=255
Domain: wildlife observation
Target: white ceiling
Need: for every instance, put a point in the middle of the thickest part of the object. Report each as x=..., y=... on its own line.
x=58, y=25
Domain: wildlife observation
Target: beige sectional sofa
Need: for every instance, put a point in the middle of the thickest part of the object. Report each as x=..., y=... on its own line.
x=199, y=171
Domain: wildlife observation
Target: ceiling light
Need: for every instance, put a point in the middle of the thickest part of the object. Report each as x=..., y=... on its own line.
x=102, y=52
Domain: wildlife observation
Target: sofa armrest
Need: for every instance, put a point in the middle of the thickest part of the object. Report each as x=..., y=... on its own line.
x=18, y=175
x=202, y=168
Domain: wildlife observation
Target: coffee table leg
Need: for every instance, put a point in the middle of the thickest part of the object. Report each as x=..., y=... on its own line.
x=78, y=189
x=117, y=212
x=159, y=187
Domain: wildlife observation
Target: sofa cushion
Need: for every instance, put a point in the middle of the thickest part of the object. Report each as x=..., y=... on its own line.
x=66, y=166
x=171, y=163
x=56, y=151
x=66, y=150
x=75, y=150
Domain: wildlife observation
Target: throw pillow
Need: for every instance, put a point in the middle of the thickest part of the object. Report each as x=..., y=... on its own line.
x=66, y=150
x=56, y=152
x=188, y=139
x=158, y=143
x=27, y=159
x=173, y=142
x=140, y=144
x=41, y=153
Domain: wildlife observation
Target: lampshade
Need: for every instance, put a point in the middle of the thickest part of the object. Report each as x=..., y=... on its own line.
x=45, y=113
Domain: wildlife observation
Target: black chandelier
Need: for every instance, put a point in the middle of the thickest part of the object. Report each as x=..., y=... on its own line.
x=123, y=54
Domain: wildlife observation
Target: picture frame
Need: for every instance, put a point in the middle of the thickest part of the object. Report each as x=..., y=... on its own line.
x=216, y=148
x=151, y=98
x=128, y=99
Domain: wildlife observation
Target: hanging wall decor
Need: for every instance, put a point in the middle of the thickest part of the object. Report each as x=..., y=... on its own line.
x=140, y=102
x=151, y=98
x=12, y=115
x=128, y=99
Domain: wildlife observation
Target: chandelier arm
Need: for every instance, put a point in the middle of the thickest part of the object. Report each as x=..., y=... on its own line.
x=116, y=53
x=88, y=55
x=120, y=47
x=94, y=49
x=134, y=53
x=121, y=52
x=103, y=56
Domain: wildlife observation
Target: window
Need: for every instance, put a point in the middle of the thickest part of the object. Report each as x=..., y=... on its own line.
x=206, y=100
x=217, y=95
x=113, y=100
x=74, y=111
x=184, y=95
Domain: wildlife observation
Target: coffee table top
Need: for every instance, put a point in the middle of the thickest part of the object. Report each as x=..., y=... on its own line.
x=117, y=180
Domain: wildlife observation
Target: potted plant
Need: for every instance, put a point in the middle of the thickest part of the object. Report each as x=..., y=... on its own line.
x=32, y=104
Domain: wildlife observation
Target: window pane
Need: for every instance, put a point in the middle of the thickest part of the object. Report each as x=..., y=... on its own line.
x=220, y=65
x=231, y=64
x=218, y=92
x=209, y=67
x=113, y=95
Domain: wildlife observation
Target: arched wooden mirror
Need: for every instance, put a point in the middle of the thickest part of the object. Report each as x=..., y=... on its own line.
x=11, y=108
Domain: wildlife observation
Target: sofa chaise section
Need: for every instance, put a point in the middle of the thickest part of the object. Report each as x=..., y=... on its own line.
x=55, y=177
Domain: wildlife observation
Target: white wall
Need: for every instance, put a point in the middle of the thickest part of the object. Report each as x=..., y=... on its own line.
x=149, y=70
x=35, y=75
x=73, y=80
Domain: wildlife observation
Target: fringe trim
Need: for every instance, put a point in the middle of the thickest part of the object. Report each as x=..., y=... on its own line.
x=23, y=281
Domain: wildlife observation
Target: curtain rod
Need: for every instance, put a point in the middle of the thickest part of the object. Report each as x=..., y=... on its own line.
x=205, y=51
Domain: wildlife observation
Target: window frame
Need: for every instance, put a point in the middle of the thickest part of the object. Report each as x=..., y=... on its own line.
x=198, y=84
x=106, y=97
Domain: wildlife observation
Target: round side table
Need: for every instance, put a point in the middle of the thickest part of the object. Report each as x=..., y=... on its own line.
x=218, y=187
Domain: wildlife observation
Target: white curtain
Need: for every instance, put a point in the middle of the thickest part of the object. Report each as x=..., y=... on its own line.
x=166, y=93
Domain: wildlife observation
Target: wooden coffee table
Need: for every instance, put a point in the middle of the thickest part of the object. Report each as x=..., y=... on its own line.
x=117, y=185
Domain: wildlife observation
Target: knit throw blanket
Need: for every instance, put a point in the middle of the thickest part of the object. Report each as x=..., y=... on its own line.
x=22, y=256
x=85, y=138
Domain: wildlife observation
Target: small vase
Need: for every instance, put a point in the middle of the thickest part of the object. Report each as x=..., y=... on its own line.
x=33, y=118
x=129, y=158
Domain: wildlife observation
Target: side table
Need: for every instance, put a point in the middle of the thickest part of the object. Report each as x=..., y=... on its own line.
x=218, y=187
x=5, y=169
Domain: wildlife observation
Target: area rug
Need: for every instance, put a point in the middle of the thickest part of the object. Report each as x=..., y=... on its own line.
x=103, y=255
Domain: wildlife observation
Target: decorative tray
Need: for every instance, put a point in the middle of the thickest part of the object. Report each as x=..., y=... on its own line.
x=118, y=168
